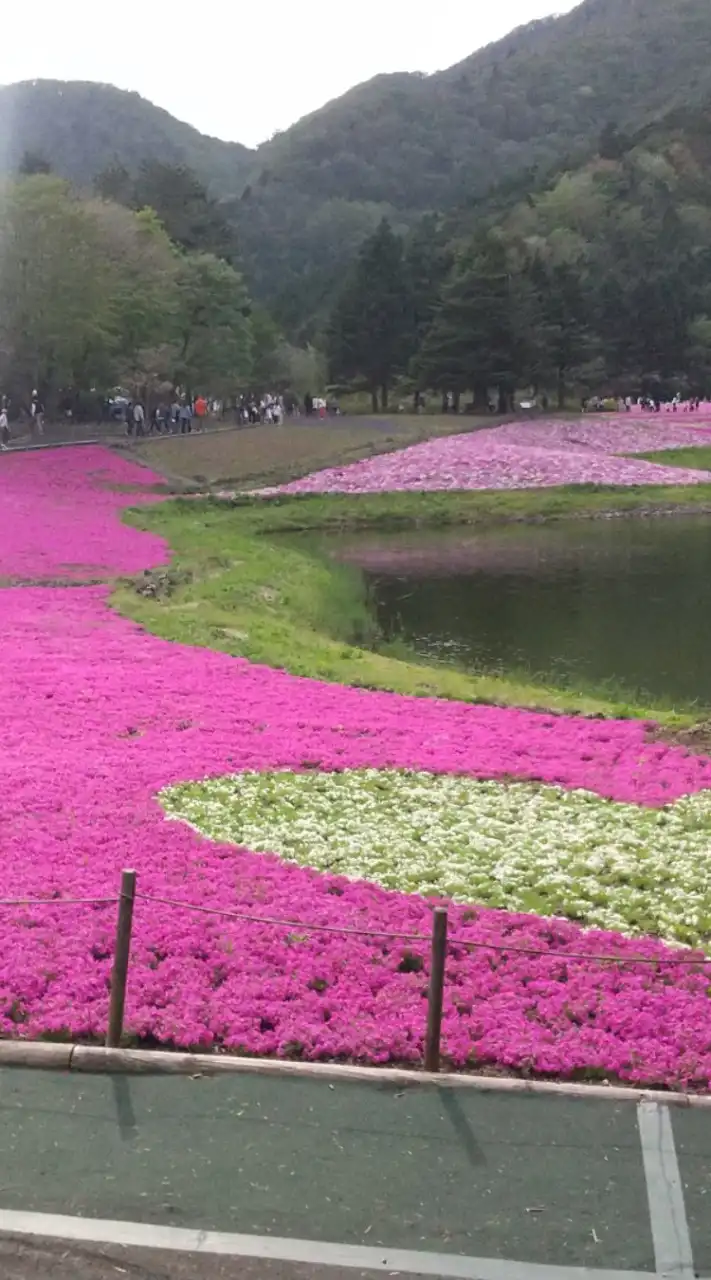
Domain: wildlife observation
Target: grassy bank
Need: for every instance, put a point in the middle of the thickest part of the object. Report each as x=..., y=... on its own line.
x=697, y=457
x=237, y=585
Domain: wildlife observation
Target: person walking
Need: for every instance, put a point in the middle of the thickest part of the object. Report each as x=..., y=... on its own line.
x=4, y=430
x=185, y=416
x=139, y=419
x=201, y=411
x=37, y=414
x=158, y=419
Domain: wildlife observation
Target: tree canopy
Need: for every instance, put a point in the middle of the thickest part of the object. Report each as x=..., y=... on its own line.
x=95, y=295
x=192, y=218
x=366, y=339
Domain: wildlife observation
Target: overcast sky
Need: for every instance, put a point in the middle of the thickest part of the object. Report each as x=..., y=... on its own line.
x=243, y=70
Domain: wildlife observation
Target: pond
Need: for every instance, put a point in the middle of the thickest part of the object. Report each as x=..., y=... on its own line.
x=614, y=604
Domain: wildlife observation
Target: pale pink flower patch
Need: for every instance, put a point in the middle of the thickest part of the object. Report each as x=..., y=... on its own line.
x=524, y=455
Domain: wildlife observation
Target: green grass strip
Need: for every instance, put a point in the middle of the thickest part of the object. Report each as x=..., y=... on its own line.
x=696, y=457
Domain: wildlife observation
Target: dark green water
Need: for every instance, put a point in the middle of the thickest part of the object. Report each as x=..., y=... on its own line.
x=607, y=604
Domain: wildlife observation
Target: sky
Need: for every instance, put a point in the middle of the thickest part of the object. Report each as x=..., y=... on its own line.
x=241, y=71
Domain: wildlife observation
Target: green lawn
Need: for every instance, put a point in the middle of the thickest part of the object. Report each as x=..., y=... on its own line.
x=697, y=457
x=238, y=585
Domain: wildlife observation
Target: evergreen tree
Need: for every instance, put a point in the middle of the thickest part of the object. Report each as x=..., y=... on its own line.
x=190, y=216
x=32, y=163
x=427, y=263
x=477, y=338
x=367, y=337
x=560, y=339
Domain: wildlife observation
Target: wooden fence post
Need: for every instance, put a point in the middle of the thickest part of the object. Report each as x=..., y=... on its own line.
x=122, y=951
x=436, y=991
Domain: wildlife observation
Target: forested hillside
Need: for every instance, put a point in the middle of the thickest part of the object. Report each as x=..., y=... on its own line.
x=82, y=129
x=295, y=211
x=599, y=279
x=539, y=95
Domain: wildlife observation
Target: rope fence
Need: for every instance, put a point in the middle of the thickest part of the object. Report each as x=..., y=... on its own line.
x=439, y=940
x=59, y=902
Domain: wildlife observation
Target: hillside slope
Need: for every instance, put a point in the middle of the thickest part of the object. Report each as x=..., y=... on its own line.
x=407, y=140
x=545, y=91
x=82, y=128
x=397, y=145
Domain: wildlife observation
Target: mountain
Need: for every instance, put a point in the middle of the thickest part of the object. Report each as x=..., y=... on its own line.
x=398, y=145
x=512, y=114
x=83, y=128
x=543, y=93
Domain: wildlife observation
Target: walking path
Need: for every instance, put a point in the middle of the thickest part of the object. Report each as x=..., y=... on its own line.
x=274, y=1179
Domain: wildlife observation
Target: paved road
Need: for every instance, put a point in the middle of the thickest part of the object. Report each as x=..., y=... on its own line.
x=364, y=1177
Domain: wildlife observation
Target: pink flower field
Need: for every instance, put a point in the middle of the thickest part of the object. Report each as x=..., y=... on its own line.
x=97, y=716
x=525, y=455
x=43, y=533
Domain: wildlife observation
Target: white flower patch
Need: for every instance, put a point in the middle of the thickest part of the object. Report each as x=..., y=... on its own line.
x=519, y=846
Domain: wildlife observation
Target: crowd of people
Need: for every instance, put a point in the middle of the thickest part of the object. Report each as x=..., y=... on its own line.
x=275, y=408
x=35, y=413
x=651, y=404
x=183, y=414
x=267, y=408
x=179, y=414
x=176, y=416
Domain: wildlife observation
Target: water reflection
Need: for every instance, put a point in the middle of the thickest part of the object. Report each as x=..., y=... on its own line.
x=621, y=601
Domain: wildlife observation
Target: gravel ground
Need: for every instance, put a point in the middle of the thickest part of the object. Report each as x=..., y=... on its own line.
x=21, y=1259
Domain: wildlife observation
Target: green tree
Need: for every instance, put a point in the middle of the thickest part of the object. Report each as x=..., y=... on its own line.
x=649, y=285
x=94, y=293
x=117, y=184
x=56, y=323
x=192, y=218
x=477, y=339
x=143, y=267
x=428, y=260
x=614, y=264
x=267, y=369
x=32, y=163
x=214, y=335
x=190, y=215
x=612, y=144
x=700, y=354
x=559, y=336
x=304, y=370
x=366, y=339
